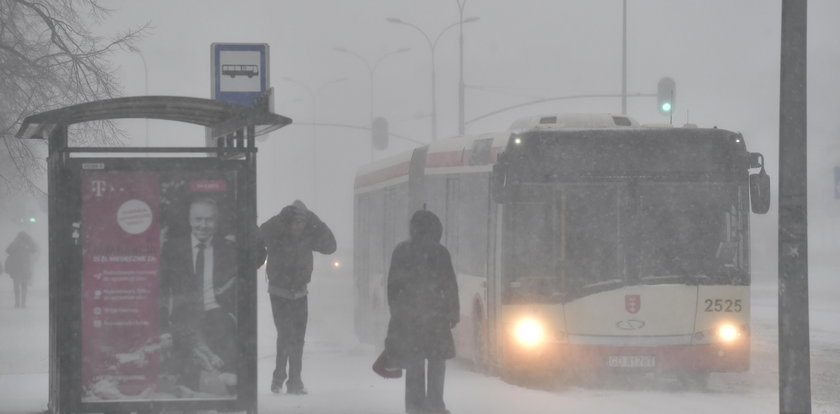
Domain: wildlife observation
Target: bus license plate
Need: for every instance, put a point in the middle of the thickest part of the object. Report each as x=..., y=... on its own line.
x=631, y=361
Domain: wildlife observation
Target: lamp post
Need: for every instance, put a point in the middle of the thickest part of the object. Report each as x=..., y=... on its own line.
x=146, y=83
x=461, y=4
x=371, y=70
x=624, y=57
x=432, y=46
x=313, y=95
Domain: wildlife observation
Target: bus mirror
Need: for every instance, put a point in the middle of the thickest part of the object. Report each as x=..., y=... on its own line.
x=497, y=179
x=756, y=160
x=760, y=192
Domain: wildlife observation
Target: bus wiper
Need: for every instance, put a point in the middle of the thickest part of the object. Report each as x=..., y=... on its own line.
x=604, y=284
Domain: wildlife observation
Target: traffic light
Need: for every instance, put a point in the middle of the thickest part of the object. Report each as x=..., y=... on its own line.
x=379, y=133
x=665, y=93
x=28, y=219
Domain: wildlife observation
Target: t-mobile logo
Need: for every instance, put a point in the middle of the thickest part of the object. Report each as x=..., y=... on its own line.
x=98, y=187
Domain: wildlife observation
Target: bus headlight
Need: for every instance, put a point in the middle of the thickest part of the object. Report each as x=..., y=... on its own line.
x=728, y=332
x=529, y=332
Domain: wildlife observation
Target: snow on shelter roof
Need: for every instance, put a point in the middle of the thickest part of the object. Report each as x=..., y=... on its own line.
x=222, y=116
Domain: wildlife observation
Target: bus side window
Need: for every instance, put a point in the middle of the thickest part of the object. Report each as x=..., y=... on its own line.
x=480, y=154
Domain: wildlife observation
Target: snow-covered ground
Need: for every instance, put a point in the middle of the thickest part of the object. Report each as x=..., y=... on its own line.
x=338, y=376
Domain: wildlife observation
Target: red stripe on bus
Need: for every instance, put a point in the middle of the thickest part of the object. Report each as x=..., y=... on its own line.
x=445, y=159
x=433, y=160
x=385, y=174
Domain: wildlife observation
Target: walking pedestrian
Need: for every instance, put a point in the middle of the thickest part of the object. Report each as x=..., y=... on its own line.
x=290, y=238
x=22, y=253
x=423, y=300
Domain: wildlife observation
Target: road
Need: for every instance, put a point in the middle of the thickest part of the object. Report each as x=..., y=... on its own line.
x=338, y=376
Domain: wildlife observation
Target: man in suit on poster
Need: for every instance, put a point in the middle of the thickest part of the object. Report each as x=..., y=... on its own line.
x=198, y=300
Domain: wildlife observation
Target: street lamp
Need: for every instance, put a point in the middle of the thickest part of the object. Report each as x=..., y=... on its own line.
x=624, y=57
x=313, y=95
x=461, y=86
x=146, y=82
x=371, y=70
x=432, y=46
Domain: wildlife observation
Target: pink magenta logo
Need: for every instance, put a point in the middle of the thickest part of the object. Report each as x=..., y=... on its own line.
x=632, y=303
x=208, y=185
x=98, y=187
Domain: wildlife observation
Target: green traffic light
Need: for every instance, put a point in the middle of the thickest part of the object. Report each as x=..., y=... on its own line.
x=32, y=219
x=666, y=107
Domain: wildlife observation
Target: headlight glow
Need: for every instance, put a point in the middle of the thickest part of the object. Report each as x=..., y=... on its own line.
x=529, y=332
x=728, y=333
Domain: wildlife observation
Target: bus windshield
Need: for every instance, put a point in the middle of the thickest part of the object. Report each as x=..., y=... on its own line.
x=572, y=239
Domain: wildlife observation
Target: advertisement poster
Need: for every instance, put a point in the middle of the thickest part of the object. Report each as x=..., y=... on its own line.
x=158, y=285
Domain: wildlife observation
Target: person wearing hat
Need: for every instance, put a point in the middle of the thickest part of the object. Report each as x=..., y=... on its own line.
x=290, y=238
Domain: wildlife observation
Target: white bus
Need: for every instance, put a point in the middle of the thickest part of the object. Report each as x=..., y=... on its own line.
x=583, y=244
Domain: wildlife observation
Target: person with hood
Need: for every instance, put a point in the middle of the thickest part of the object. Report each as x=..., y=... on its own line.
x=22, y=253
x=423, y=300
x=290, y=238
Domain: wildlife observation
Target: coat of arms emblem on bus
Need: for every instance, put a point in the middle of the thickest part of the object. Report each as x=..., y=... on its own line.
x=632, y=303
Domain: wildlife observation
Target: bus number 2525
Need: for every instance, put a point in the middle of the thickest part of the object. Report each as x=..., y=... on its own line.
x=723, y=305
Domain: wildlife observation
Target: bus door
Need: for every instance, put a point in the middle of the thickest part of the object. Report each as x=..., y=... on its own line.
x=494, y=281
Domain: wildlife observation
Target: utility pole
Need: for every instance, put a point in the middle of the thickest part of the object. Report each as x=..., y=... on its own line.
x=624, y=58
x=146, y=83
x=461, y=4
x=794, y=342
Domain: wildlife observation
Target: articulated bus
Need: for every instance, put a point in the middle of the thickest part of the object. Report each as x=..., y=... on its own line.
x=584, y=244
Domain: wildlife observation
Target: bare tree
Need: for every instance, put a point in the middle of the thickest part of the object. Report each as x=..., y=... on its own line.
x=49, y=59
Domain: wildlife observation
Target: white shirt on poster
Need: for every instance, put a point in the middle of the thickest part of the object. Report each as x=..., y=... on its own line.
x=207, y=278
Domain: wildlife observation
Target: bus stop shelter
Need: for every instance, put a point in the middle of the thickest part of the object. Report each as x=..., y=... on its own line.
x=130, y=299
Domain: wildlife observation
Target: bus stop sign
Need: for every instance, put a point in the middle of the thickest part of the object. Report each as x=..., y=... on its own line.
x=239, y=72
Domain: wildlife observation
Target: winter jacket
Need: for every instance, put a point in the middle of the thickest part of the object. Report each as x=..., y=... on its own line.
x=289, y=266
x=422, y=295
x=21, y=253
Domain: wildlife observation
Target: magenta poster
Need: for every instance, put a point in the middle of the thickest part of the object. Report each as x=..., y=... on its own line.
x=121, y=247
x=159, y=284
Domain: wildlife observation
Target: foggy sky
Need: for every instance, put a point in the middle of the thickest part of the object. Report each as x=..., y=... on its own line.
x=723, y=55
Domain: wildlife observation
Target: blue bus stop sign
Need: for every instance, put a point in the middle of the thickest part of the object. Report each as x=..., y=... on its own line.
x=239, y=72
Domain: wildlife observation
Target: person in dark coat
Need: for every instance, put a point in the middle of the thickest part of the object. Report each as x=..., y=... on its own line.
x=198, y=296
x=21, y=254
x=423, y=300
x=290, y=238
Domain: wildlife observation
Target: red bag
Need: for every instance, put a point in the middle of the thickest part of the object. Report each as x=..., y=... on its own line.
x=379, y=367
